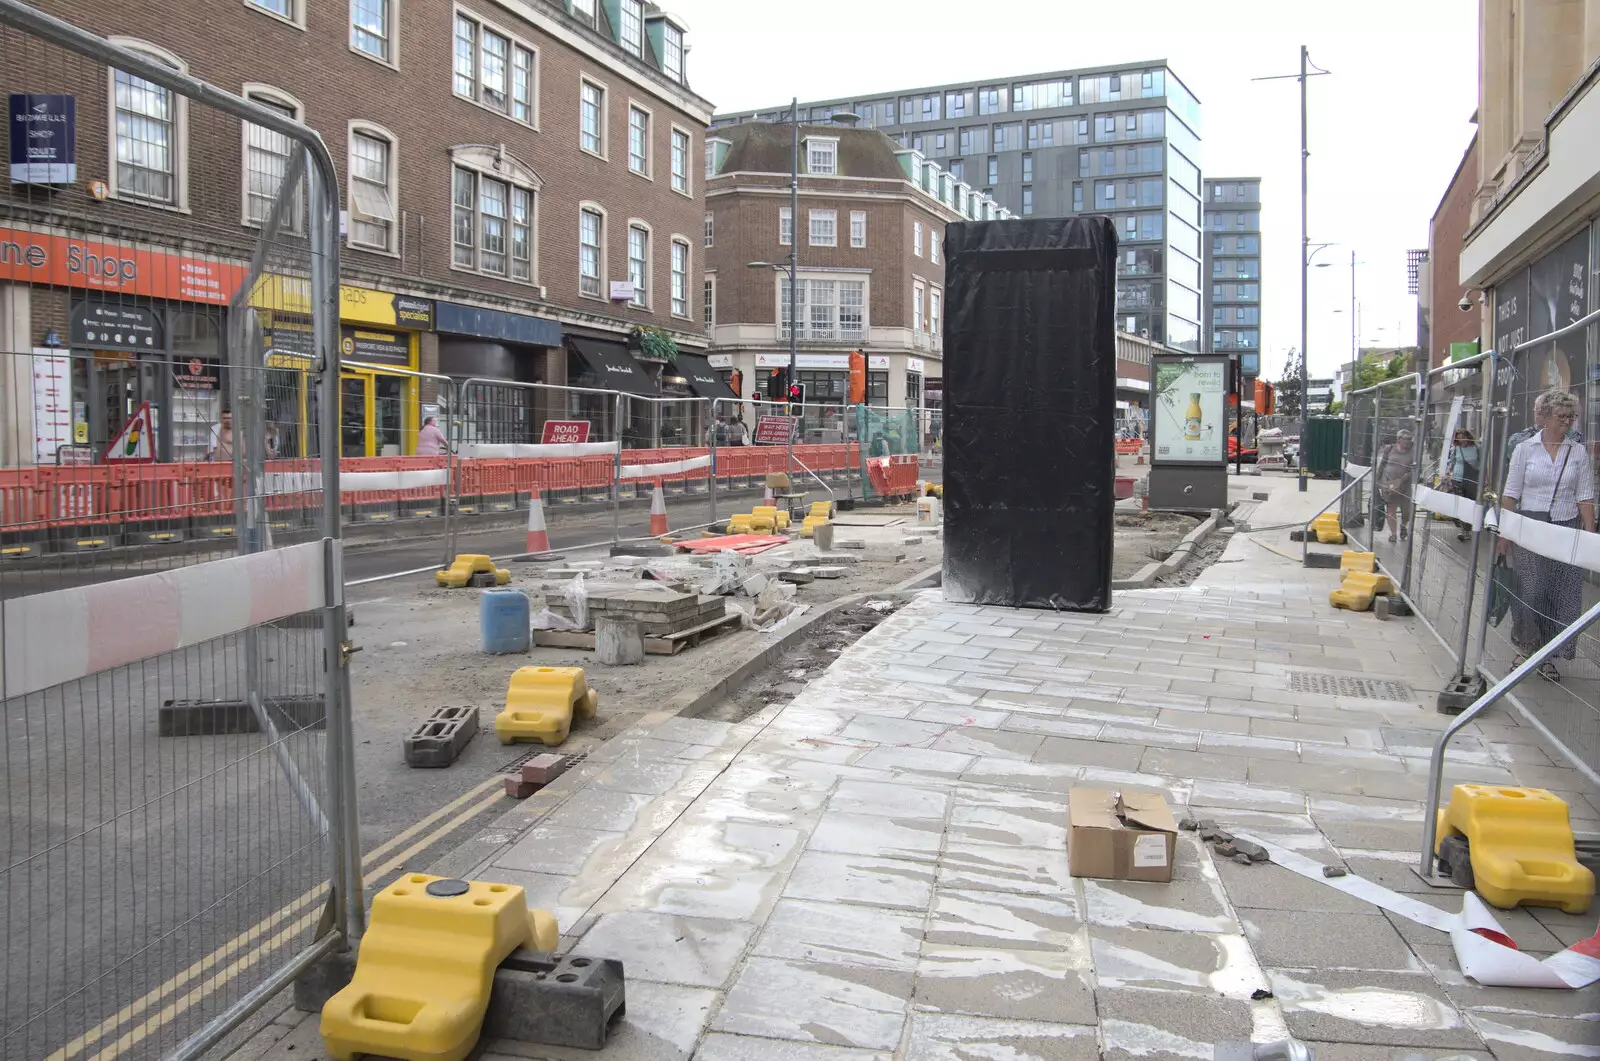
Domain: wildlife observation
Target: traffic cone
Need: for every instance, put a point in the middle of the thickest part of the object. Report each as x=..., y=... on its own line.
x=538, y=535
x=767, y=499
x=658, y=511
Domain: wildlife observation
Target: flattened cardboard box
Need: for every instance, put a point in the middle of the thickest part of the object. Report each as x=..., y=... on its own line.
x=1120, y=835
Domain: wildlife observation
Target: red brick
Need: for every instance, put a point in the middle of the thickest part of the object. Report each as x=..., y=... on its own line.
x=543, y=769
x=517, y=788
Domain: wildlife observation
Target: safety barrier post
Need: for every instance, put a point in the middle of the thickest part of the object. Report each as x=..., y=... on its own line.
x=616, y=478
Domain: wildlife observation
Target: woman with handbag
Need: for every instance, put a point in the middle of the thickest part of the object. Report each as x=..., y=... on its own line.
x=1396, y=464
x=1550, y=480
x=1463, y=470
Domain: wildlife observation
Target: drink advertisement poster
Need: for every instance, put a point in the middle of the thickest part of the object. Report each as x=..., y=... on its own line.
x=1191, y=424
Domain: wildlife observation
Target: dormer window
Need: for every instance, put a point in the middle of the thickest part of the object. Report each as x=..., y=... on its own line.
x=633, y=26
x=822, y=156
x=672, y=46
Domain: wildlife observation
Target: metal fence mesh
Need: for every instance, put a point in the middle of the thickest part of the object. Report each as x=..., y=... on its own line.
x=1452, y=456
x=1548, y=594
x=167, y=841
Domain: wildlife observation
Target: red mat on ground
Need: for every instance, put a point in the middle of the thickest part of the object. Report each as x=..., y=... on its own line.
x=748, y=544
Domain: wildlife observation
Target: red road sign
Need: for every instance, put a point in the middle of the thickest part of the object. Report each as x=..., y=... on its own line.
x=556, y=431
x=775, y=430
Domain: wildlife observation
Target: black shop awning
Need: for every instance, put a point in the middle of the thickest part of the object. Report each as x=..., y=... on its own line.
x=703, y=379
x=613, y=367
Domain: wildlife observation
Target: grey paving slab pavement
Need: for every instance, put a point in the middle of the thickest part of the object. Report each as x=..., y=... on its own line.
x=877, y=870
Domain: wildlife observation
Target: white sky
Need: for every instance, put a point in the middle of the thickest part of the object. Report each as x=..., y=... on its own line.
x=1387, y=128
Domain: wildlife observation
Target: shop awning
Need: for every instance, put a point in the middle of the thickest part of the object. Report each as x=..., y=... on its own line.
x=613, y=367
x=703, y=379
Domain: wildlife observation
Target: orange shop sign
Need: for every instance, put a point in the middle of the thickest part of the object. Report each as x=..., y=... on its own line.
x=66, y=261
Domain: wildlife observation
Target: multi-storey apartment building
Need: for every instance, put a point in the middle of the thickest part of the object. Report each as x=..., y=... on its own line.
x=870, y=254
x=1233, y=268
x=521, y=190
x=1445, y=329
x=1123, y=141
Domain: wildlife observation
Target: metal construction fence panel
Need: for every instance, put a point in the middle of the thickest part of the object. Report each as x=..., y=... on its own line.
x=1355, y=505
x=1445, y=543
x=175, y=758
x=1553, y=564
x=1396, y=462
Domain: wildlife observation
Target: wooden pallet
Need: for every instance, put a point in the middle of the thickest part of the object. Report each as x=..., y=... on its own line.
x=664, y=645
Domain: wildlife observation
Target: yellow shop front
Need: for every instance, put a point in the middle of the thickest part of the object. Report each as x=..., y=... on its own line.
x=379, y=331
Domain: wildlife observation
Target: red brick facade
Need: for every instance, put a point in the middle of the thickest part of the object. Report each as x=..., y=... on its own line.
x=1447, y=323
x=235, y=45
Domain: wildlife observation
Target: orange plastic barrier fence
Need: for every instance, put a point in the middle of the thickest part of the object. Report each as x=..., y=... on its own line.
x=104, y=494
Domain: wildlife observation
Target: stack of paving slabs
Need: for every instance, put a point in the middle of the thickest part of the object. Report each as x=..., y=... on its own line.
x=659, y=612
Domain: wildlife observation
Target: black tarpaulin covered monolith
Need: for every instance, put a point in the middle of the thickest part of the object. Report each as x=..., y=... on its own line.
x=1030, y=376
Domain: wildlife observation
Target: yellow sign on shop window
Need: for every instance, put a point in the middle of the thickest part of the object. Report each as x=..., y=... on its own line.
x=358, y=305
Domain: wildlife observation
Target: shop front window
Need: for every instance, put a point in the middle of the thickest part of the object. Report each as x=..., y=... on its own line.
x=388, y=414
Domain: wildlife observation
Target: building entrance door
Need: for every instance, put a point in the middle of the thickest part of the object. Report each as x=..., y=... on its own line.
x=355, y=402
x=117, y=385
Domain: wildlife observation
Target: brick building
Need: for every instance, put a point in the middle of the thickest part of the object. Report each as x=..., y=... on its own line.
x=871, y=265
x=1440, y=294
x=520, y=189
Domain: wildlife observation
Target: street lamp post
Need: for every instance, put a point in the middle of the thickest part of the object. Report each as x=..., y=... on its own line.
x=793, y=269
x=1306, y=71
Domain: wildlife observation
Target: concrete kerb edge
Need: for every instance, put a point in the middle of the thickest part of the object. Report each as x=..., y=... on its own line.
x=467, y=856
x=1146, y=576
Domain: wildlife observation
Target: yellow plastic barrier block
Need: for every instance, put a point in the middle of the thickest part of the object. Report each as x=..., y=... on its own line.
x=426, y=966
x=460, y=573
x=1354, y=561
x=1520, y=842
x=541, y=702
x=1354, y=598
x=809, y=525
x=740, y=523
x=780, y=518
x=1379, y=583
x=821, y=509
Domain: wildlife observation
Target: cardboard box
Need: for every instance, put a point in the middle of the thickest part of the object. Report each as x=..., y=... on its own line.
x=1120, y=835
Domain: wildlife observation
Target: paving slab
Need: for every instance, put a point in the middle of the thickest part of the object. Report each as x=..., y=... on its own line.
x=1167, y=1025
x=958, y=1037
x=827, y=1003
x=1378, y=1008
x=1012, y=984
x=1521, y=1037
x=830, y=878
x=1206, y=962
x=843, y=935
x=999, y=920
x=663, y=1022
x=698, y=952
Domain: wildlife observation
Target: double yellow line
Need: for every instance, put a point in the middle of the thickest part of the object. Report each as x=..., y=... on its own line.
x=255, y=943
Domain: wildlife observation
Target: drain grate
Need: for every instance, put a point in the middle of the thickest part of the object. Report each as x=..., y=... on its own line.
x=1302, y=681
x=539, y=749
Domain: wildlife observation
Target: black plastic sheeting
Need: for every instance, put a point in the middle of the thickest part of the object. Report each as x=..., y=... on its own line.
x=1030, y=372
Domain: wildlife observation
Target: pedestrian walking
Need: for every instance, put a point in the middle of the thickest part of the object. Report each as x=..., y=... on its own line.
x=430, y=440
x=1396, y=464
x=1550, y=480
x=737, y=433
x=1463, y=472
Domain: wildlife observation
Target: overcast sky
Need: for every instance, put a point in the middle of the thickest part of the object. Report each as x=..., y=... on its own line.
x=1387, y=128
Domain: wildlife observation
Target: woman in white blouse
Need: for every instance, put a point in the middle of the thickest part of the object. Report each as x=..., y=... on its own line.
x=1550, y=479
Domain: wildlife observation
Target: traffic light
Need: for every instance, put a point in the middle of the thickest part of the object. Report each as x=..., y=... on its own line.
x=797, y=394
x=777, y=384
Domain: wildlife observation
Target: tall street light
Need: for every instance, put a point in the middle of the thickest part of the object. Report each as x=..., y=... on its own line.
x=1305, y=239
x=793, y=269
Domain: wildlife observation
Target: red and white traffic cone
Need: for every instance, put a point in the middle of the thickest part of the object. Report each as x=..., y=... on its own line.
x=658, y=511
x=767, y=500
x=538, y=534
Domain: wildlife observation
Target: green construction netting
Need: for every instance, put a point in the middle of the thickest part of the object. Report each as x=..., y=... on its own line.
x=882, y=433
